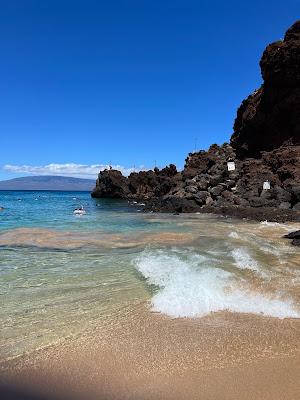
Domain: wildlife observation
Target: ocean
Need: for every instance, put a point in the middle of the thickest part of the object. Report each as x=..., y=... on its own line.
x=63, y=275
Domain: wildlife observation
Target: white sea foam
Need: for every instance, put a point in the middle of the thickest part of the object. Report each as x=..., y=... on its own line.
x=234, y=235
x=284, y=226
x=269, y=224
x=189, y=286
x=243, y=260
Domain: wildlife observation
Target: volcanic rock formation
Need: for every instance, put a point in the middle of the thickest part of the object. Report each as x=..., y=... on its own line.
x=265, y=149
x=141, y=185
x=270, y=117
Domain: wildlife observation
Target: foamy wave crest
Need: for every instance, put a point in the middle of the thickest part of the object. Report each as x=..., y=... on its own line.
x=234, y=235
x=243, y=260
x=189, y=286
x=268, y=223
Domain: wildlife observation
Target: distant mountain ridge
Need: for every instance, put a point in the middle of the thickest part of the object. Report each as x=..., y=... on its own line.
x=48, y=182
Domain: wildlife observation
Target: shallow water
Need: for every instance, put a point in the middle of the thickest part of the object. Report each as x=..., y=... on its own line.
x=61, y=274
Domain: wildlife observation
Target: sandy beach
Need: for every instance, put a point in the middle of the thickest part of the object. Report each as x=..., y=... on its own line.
x=149, y=356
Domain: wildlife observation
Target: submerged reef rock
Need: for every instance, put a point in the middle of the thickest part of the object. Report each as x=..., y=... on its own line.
x=270, y=117
x=257, y=175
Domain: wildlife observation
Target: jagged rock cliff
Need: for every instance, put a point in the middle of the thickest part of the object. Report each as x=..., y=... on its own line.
x=265, y=148
x=270, y=117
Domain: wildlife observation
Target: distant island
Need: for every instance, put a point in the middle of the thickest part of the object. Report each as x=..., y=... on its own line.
x=48, y=183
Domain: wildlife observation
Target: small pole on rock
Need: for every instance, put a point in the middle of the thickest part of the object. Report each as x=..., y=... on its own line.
x=195, y=148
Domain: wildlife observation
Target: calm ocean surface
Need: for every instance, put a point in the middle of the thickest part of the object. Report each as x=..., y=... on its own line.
x=61, y=274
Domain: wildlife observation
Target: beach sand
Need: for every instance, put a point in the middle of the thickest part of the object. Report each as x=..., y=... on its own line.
x=150, y=356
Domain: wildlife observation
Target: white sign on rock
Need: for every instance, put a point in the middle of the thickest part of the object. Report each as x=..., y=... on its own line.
x=266, y=185
x=231, y=165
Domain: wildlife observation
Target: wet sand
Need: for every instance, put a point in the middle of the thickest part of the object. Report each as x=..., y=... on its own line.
x=150, y=356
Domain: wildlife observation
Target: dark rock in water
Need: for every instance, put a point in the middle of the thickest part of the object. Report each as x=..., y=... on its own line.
x=111, y=184
x=295, y=236
x=173, y=204
x=270, y=117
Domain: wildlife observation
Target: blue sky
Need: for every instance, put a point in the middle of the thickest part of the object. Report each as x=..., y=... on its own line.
x=88, y=83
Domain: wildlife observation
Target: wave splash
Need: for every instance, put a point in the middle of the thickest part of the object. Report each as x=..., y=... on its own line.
x=190, y=286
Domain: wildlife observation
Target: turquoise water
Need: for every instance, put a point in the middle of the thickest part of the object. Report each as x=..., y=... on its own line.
x=54, y=210
x=61, y=274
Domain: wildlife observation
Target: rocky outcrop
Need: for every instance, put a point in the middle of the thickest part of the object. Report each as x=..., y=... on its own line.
x=207, y=182
x=112, y=184
x=295, y=236
x=142, y=185
x=270, y=117
x=265, y=150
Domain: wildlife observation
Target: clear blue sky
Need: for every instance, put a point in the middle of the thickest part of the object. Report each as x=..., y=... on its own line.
x=127, y=82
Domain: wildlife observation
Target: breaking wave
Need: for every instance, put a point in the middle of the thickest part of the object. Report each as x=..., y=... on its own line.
x=243, y=260
x=189, y=285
